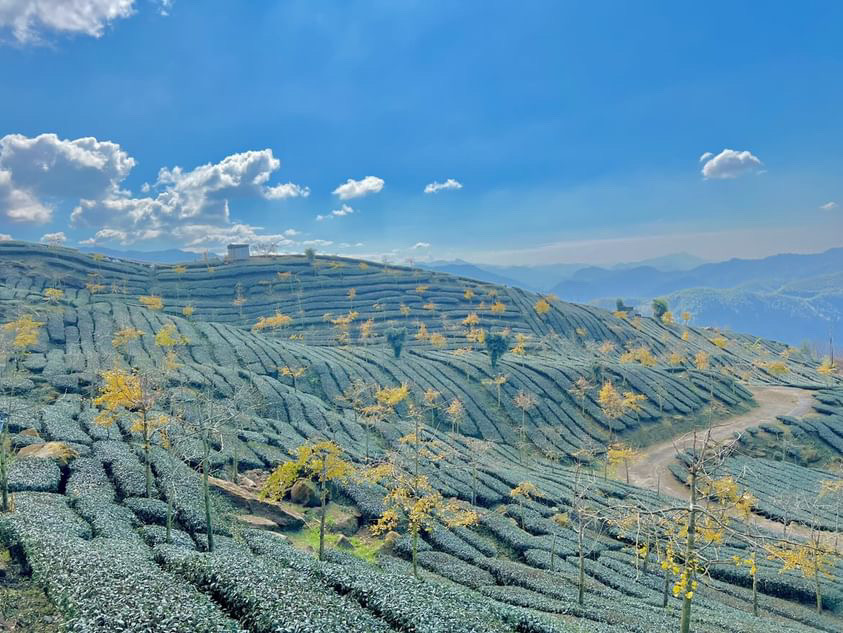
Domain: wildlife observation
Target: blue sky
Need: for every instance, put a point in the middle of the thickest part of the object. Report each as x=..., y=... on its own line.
x=573, y=129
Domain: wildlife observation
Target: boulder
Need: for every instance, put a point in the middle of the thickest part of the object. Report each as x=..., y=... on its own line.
x=344, y=543
x=304, y=493
x=261, y=523
x=49, y=450
x=343, y=521
x=30, y=432
x=389, y=542
x=246, y=499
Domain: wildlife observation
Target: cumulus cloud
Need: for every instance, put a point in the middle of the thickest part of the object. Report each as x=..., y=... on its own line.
x=189, y=206
x=343, y=211
x=436, y=187
x=36, y=172
x=705, y=156
x=19, y=205
x=29, y=20
x=420, y=245
x=287, y=190
x=359, y=188
x=828, y=206
x=730, y=164
x=54, y=238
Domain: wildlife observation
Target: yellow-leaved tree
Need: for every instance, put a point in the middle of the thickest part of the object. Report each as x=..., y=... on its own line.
x=525, y=401
x=580, y=390
x=138, y=394
x=320, y=460
x=293, y=373
x=23, y=332
x=413, y=505
x=152, y=302
x=524, y=491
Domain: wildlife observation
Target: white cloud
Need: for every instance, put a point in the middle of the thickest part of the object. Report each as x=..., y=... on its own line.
x=36, y=172
x=343, y=211
x=28, y=20
x=20, y=205
x=54, y=238
x=730, y=164
x=359, y=188
x=435, y=187
x=420, y=245
x=828, y=206
x=180, y=199
x=5, y=237
x=317, y=243
x=287, y=190
x=187, y=206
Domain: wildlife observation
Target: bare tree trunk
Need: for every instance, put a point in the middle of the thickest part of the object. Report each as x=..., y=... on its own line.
x=415, y=552
x=817, y=580
x=4, y=468
x=148, y=466
x=581, y=590
x=322, y=498
x=206, y=493
x=685, y=622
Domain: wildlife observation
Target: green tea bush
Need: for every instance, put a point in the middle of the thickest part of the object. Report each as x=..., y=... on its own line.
x=37, y=475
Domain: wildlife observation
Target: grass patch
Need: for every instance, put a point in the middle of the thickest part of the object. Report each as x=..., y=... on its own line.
x=24, y=607
x=364, y=546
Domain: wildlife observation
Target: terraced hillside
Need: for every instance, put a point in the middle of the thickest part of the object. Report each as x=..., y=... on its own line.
x=92, y=529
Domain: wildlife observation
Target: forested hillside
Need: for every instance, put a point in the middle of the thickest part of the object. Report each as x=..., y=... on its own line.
x=508, y=416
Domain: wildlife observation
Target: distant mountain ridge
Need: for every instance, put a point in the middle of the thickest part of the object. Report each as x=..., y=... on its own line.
x=647, y=282
x=791, y=298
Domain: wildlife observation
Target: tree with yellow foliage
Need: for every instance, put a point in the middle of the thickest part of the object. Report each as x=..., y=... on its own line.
x=580, y=390
x=455, y=412
x=320, y=460
x=187, y=311
x=53, y=295
x=168, y=338
x=827, y=368
x=125, y=335
x=525, y=401
x=278, y=320
x=437, y=339
x=498, y=381
x=152, y=302
x=525, y=490
x=413, y=504
x=610, y=401
x=520, y=344
x=294, y=373
x=23, y=333
x=620, y=453
x=367, y=329
x=542, y=307
x=136, y=393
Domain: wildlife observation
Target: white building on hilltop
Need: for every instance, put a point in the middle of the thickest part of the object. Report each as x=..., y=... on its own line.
x=238, y=251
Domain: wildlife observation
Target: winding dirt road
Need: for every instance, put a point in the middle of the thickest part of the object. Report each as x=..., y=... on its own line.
x=651, y=468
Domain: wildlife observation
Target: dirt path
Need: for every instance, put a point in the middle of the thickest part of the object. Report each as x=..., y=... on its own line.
x=651, y=469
